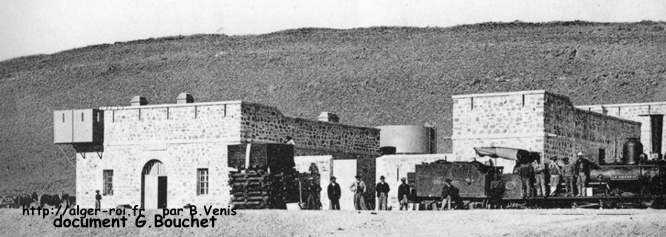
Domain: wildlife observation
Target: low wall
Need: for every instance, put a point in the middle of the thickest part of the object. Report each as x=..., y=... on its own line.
x=395, y=167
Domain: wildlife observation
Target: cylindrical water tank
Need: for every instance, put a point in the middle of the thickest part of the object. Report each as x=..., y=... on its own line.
x=631, y=150
x=408, y=139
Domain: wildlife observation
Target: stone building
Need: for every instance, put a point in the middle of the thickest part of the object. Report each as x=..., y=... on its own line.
x=650, y=115
x=169, y=155
x=538, y=121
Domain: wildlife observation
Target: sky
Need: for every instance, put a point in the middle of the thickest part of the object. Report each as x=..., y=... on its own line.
x=30, y=27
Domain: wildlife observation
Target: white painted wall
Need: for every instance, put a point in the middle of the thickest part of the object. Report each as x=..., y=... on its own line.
x=344, y=171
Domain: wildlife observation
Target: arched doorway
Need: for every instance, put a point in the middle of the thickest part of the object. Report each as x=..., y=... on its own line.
x=153, y=185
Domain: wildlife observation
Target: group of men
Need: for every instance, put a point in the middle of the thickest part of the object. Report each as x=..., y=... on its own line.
x=406, y=194
x=538, y=179
x=574, y=173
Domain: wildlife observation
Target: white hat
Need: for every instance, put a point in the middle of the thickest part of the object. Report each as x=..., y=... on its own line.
x=580, y=153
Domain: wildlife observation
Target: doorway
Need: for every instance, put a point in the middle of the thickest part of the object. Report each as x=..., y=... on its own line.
x=153, y=185
x=161, y=191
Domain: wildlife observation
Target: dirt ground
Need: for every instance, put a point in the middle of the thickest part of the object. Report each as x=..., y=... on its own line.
x=553, y=222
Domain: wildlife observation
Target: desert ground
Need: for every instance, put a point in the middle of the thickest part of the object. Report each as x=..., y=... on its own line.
x=553, y=222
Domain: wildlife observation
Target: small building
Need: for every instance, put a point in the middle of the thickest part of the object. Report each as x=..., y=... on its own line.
x=537, y=121
x=170, y=155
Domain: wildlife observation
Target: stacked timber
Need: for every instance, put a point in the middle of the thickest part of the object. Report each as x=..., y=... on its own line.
x=259, y=189
x=265, y=176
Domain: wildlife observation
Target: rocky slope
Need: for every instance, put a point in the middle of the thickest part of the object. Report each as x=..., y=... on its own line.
x=369, y=76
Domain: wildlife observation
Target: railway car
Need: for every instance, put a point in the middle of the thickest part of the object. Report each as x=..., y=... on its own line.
x=480, y=185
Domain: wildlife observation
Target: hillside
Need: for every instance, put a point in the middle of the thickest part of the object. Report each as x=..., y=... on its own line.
x=369, y=76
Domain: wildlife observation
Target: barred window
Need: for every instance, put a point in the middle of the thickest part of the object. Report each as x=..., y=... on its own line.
x=108, y=182
x=202, y=181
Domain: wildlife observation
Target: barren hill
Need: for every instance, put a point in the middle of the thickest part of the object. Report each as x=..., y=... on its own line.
x=369, y=76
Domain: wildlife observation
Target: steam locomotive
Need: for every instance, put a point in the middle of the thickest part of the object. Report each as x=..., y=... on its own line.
x=632, y=182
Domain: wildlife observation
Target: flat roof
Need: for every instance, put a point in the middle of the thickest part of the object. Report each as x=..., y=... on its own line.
x=149, y=106
x=499, y=94
x=626, y=104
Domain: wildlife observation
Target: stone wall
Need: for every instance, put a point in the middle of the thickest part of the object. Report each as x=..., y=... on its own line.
x=186, y=137
x=267, y=124
x=636, y=112
x=536, y=121
x=510, y=119
x=570, y=130
x=183, y=138
x=172, y=123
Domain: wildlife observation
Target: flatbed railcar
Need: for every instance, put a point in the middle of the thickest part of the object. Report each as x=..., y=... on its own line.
x=482, y=185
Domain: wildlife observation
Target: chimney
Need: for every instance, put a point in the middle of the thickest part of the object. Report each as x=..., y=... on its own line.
x=184, y=98
x=328, y=117
x=138, y=101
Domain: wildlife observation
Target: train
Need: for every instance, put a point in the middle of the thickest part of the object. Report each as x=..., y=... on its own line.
x=633, y=182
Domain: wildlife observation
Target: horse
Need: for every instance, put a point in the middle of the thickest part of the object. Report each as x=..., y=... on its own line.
x=67, y=200
x=51, y=200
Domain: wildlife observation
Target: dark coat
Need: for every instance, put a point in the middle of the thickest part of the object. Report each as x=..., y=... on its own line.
x=412, y=194
x=403, y=190
x=334, y=191
x=313, y=189
x=582, y=166
x=526, y=171
x=382, y=188
x=446, y=191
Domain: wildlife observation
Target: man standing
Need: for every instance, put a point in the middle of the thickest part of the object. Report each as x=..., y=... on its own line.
x=555, y=171
x=539, y=177
x=496, y=190
x=358, y=188
x=526, y=172
x=413, y=201
x=583, y=167
x=98, y=200
x=403, y=194
x=446, y=195
x=569, y=176
x=313, y=191
x=334, y=194
x=382, y=190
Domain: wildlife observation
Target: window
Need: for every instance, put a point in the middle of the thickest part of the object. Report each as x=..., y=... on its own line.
x=108, y=182
x=202, y=181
